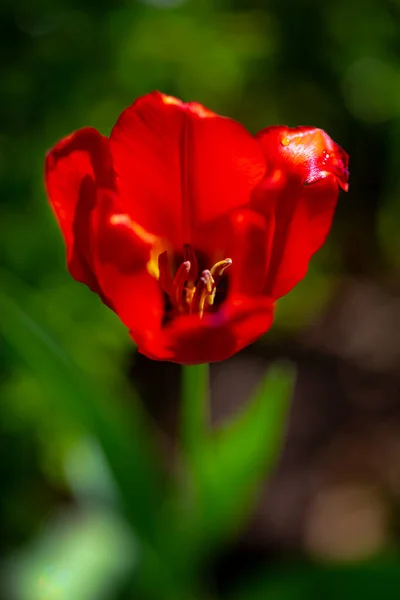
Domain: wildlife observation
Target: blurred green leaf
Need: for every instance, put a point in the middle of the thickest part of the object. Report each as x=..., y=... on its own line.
x=80, y=555
x=88, y=474
x=228, y=468
x=123, y=440
x=195, y=406
x=70, y=392
x=247, y=448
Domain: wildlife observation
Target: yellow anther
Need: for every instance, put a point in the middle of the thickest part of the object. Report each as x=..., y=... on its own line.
x=179, y=280
x=219, y=267
x=208, y=281
x=205, y=287
x=211, y=297
x=186, y=295
x=190, y=290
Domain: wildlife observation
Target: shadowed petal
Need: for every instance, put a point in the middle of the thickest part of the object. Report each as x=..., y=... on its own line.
x=75, y=168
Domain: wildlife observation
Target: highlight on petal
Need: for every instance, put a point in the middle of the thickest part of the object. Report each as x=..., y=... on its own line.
x=74, y=169
x=298, y=198
x=305, y=152
x=194, y=107
x=179, y=165
x=121, y=251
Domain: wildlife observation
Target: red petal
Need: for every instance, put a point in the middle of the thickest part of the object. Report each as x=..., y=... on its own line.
x=305, y=154
x=300, y=214
x=191, y=340
x=138, y=302
x=121, y=254
x=180, y=165
x=248, y=250
x=75, y=167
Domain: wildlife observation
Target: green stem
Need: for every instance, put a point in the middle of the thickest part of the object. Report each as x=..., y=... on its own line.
x=195, y=407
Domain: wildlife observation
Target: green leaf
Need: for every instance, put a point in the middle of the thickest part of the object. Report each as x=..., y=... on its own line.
x=123, y=437
x=229, y=467
x=69, y=391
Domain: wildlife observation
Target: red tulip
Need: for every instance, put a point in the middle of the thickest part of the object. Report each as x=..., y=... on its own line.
x=190, y=228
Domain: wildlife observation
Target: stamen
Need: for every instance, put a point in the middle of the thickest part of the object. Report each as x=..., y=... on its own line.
x=219, y=267
x=208, y=281
x=184, y=293
x=189, y=254
x=180, y=278
x=216, y=272
x=209, y=292
x=204, y=289
x=190, y=290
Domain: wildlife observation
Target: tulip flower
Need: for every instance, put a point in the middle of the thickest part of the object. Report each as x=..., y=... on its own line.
x=189, y=227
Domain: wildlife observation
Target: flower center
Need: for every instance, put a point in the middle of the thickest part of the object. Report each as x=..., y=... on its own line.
x=187, y=292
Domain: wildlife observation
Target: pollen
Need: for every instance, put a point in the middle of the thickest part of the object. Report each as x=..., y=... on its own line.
x=186, y=291
x=285, y=141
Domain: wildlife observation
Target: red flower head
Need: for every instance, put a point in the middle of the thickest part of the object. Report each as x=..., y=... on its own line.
x=187, y=226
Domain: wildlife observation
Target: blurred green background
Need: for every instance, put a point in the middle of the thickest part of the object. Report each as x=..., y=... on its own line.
x=112, y=486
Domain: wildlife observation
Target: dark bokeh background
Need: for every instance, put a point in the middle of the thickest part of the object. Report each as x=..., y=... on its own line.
x=334, y=497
